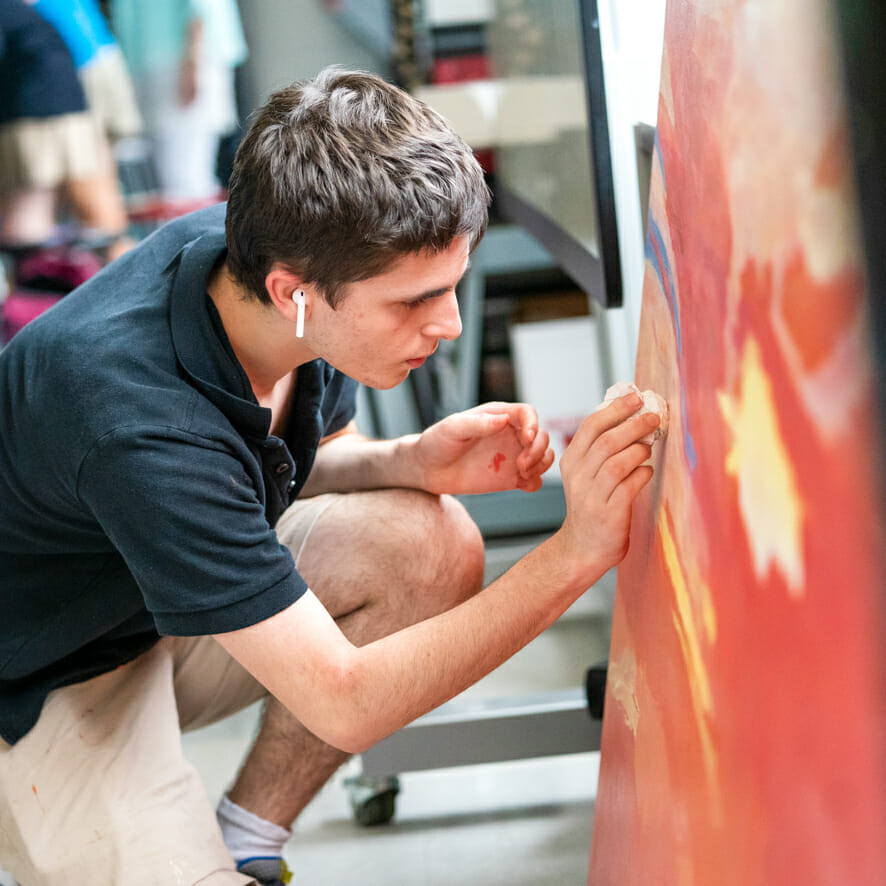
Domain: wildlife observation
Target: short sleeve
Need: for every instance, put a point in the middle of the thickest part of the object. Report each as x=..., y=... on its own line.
x=187, y=516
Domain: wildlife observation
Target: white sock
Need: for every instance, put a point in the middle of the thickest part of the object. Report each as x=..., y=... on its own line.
x=248, y=836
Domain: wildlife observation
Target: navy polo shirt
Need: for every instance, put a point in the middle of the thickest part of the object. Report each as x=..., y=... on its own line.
x=139, y=486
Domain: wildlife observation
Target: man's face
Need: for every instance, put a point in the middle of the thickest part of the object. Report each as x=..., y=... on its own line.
x=387, y=325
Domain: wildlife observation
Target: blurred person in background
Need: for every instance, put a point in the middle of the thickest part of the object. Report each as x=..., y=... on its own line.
x=182, y=55
x=53, y=153
x=110, y=95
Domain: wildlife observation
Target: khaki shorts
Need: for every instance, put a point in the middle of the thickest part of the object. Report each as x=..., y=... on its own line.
x=110, y=95
x=46, y=152
x=99, y=792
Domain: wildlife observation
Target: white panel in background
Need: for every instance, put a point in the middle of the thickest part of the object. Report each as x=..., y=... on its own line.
x=557, y=367
x=441, y=13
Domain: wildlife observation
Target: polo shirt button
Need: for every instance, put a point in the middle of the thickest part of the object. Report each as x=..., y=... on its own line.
x=282, y=468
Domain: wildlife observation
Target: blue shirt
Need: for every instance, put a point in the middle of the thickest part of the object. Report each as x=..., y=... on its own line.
x=80, y=24
x=139, y=483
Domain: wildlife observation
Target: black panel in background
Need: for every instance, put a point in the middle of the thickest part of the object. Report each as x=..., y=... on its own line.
x=598, y=271
x=862, y=24
x=458, y=40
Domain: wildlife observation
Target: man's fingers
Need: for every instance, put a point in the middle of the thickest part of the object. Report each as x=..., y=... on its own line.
x=630, y=487
x=618, y=439
x=479, y=424
x=616, y=469
x=602, y=420
x=522, y=416
x=532, y=484
x=535, y=452
x=528, y=423
x=536, y=467
x=611, y=441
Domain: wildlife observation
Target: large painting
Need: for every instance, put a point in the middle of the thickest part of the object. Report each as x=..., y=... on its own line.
x=744, y=737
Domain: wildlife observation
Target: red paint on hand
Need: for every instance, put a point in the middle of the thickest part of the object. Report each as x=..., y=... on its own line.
x=497, y=460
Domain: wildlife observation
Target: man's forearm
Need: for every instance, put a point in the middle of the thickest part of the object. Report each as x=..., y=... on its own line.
x=408, y=673
x=351, y=462
x=351, y=697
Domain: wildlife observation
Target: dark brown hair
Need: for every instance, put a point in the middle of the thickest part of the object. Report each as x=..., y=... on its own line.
x=339, y=176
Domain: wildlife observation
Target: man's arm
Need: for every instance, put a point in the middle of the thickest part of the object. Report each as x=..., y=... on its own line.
x=348, y=461
x=488, y=448
x=351, y=697
x=190, y=62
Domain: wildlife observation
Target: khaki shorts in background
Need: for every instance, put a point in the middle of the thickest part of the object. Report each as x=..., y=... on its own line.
x=110, y=95
x=99, y=792
x=46, y=152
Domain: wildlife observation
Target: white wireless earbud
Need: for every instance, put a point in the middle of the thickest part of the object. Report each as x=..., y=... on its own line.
x=299, y=299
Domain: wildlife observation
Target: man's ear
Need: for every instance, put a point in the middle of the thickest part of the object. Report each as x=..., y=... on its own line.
x=281, y=284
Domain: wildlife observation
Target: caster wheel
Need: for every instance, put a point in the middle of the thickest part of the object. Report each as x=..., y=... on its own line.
x=373, y=800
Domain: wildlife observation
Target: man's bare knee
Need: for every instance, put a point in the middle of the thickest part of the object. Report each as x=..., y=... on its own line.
x=432, y=546
x=436, y=535
x=401, y=551
x=461, y=561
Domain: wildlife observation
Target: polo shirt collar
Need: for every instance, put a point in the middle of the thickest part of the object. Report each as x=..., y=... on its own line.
x=201, y=344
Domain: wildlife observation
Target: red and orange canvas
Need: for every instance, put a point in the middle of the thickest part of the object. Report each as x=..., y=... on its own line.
x=744, y=735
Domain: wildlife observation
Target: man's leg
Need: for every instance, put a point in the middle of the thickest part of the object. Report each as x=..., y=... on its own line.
x=379, y=561
x=27, y=217
x=99, y=791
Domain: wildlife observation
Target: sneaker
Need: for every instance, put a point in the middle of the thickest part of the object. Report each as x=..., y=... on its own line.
x=266, y=871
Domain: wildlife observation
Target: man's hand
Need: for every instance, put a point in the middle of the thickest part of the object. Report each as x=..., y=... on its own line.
x=489, y=448
x=603, y=471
